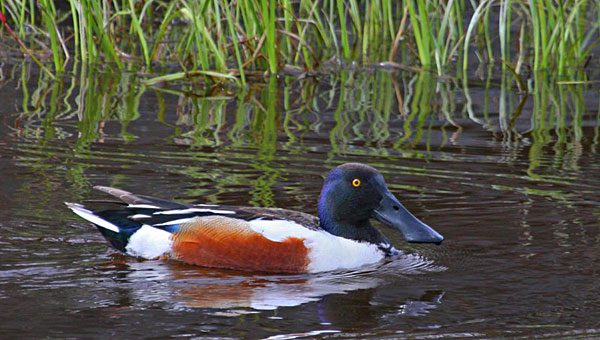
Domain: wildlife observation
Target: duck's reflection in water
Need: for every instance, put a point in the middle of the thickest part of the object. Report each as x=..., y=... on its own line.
x=175, y=285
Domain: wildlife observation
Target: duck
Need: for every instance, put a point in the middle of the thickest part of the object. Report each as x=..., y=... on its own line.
x=269, y=240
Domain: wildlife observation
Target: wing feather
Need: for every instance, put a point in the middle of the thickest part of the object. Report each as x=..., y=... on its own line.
x=224, y=242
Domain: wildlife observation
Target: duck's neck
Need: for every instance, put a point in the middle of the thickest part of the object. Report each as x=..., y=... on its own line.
x=364, y=232
x=361, y=231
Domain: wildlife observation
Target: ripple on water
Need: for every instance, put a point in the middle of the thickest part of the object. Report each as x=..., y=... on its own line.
x=517, y=203
x=180, y=287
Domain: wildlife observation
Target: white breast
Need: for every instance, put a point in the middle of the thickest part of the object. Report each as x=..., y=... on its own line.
x=326, y=251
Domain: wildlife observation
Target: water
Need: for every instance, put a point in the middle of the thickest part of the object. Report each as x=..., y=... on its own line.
x=511, y=180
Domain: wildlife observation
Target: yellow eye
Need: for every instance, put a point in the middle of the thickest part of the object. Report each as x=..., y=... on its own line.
x=356, y=182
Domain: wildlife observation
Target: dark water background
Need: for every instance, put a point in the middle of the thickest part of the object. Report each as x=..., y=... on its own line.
x=511, y=180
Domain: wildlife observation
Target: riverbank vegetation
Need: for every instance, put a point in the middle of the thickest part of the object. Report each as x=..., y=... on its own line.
x=234, y=40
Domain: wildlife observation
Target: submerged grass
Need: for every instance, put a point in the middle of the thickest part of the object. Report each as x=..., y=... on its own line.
x=240, y=38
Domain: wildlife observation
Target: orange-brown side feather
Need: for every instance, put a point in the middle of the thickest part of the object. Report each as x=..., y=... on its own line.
x=224, y=242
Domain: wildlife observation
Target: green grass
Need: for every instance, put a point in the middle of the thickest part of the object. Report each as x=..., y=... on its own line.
x=251, y=38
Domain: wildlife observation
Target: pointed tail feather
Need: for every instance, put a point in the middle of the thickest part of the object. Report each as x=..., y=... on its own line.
x=118, y=237
x=90, y=216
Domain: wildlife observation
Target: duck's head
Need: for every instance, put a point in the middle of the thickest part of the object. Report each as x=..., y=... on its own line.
x=353, y=193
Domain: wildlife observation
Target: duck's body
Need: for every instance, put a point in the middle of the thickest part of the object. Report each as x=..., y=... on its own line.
x=253, y=239
x=264, y=239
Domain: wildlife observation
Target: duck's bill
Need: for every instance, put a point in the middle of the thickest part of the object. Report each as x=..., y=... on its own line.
x=392, y=213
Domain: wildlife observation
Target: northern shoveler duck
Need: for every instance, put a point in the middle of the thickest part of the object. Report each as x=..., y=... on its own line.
x=265, y=239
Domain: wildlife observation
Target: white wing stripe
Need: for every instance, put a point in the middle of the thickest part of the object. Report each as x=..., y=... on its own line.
x=172, y=222
x=143, y=206
x=138, y=216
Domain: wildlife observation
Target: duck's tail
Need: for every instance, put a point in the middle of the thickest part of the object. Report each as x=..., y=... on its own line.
x=118, y=236
x=133, y=227
x=126, y=234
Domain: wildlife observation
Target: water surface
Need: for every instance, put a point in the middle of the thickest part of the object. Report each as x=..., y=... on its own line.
x=510, y=179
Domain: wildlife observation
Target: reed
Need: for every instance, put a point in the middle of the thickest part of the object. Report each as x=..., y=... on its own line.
x=247, y=38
